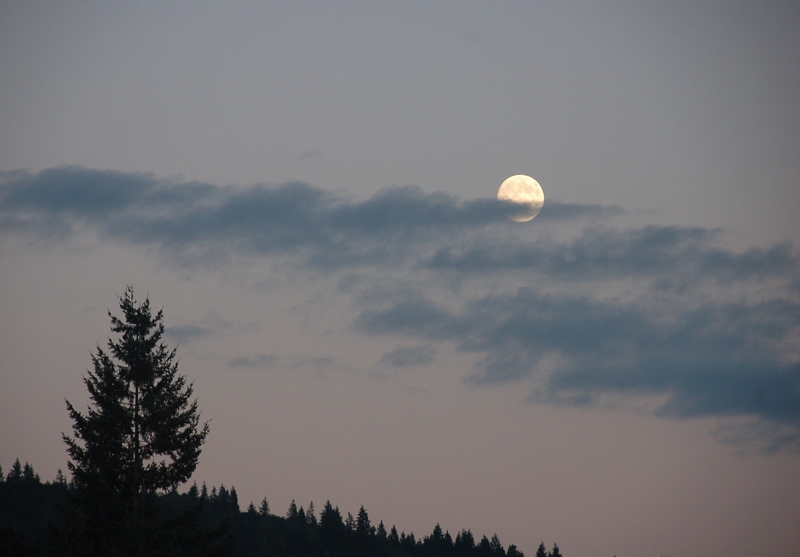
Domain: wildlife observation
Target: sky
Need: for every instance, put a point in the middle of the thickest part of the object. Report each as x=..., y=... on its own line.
x=308, y=190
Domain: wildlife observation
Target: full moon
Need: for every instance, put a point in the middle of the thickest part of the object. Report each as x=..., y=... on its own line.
x=526, y=193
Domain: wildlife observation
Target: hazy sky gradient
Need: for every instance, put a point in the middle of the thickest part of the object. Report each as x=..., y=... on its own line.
x=308, y=189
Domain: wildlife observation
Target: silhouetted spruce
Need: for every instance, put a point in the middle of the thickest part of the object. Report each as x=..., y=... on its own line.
x=140, y=436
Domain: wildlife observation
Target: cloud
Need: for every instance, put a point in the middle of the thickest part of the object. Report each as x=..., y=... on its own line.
x=582, y=314
x=675, y=255
x=399, y=226
x=708, y=359
x=407, y=357
x=190, y=218
x=297, y=361
x=256, y=362
x=572, y=211
x=75, y=190
x=189, y=333
x=212, y=325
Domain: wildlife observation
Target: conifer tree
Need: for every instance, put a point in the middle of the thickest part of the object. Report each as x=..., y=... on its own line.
x=465, y=541
x=485, y=547
x=363, y=525
x=140, y=435
x=234, y=500
x=28, y=474
x=15, y=475
x=448, y=542
x=311, y=515
x=223, y=497
x=291, y=513
x=497, y=547
x=393, y=538
x=541, y=551
x=332, y=528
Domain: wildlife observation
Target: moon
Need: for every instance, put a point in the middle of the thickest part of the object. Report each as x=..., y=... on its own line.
x=526, y=193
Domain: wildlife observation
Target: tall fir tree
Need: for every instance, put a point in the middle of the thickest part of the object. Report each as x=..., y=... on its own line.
x=332, y=528
x=291, y=514
x=311, y=515
x=465, y=541
x=363, y=524
x=15, y=475
x=381, y=531
x=497, y=547
x=140, y=435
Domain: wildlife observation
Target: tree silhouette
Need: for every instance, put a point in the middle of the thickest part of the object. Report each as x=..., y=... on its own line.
x=15, y=474
x=311, y=515
x=140, y=435
x=29, y=511
x=332, y=528
x=465, y=542
x=263, y=508
x=291, y=513
x=497, y=547
x=363, y=525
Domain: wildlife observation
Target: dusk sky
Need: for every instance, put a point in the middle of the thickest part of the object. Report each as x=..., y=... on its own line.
x=308, y=189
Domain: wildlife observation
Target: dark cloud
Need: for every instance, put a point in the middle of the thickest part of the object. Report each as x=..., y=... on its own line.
x=571, y=211
x=59, y=200
x=397, y=226
x=711, y=359
x=75, y=190
x=708, y=331
x=675, y=255
x=194, y=217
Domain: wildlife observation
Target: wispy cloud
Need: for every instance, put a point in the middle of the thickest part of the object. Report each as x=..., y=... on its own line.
x=257, y=362
x=703, y=359
x=669, y=253
x=189, y=217
x=210, y=326
x=656, y=311
x=189, y=333
x=409, y=356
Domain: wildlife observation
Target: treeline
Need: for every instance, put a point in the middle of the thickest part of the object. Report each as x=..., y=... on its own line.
x=32, y=512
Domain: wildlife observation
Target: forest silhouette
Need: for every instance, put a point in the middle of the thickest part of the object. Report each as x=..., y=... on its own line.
x=139, y=440
x=31, y=512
